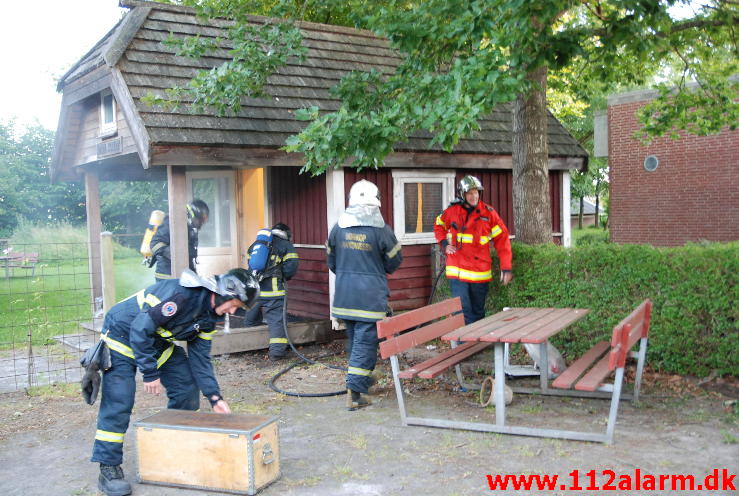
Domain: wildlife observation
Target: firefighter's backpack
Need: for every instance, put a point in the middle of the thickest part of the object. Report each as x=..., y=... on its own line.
x=260, y=251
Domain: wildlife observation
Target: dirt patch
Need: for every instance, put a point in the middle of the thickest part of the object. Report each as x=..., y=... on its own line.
x=680, y=427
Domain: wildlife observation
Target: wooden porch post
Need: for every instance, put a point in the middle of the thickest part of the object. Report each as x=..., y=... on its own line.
x=334, y=208
x=177, y=196
x=94, y=223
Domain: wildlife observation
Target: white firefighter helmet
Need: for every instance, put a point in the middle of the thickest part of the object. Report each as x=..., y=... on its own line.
x=364, y=193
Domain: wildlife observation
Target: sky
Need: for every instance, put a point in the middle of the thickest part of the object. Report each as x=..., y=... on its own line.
x=40, y=40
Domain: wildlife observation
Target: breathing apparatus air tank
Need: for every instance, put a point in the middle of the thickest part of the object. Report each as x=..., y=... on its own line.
x=155, y=220
x=259, y=253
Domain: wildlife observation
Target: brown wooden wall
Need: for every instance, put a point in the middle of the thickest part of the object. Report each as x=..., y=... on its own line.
x=498, y=193
x=410, y=285
x=308, y=290
x=88, y=134
x=299, y=201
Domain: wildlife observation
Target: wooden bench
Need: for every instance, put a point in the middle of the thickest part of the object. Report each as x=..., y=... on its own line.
x=418, y=327
x=20, y=260
x=589, y=372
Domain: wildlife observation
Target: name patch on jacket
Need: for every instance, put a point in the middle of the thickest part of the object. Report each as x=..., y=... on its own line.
x=353, y=241
x=163, y=312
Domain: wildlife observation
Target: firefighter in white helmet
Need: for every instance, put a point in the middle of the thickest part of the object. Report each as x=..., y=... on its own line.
x=361, y=250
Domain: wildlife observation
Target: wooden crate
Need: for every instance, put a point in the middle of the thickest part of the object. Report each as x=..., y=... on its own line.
x=233, y=453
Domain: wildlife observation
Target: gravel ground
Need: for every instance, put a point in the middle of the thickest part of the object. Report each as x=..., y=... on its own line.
x=680, y=427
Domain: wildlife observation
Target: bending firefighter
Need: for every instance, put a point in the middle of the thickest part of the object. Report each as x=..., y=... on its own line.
x=280, y=266
x=361, y=250
x=140, y=333
x=197, y=216
x=465, y=230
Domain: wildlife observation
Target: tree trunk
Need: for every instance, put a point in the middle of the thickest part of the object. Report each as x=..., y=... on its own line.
x=579, y=216
x=532, y=214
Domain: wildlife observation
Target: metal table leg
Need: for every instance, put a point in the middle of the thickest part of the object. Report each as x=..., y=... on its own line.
x=499, y=386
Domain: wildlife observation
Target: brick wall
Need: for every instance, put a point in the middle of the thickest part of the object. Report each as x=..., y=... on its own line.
x=693, y=195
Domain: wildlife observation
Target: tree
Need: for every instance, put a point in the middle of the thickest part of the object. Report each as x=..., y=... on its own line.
x=461, y=58
x=25, y=189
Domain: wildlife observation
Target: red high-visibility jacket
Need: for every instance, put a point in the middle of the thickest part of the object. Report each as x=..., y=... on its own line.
x=471, y=235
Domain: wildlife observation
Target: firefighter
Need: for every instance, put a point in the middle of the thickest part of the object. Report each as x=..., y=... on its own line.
x=197, y=216
x=281, y=267
x=464, y=230
x=140, y=333
x=361, y=250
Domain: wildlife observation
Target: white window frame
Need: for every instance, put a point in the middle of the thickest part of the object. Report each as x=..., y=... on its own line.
x=107, y=128
x=213, y=212
x=400, y=178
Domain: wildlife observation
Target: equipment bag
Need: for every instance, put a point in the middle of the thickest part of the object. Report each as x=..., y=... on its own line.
x=260, y=251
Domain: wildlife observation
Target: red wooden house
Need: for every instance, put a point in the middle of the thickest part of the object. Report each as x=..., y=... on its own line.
x=235, y=163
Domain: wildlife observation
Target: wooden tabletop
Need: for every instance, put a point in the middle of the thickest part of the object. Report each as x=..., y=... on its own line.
x=518, y=325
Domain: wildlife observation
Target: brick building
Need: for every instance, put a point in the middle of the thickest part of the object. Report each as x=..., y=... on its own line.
x=669, y=192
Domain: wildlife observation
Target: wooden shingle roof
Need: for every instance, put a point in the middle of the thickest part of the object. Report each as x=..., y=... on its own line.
x=136, y=55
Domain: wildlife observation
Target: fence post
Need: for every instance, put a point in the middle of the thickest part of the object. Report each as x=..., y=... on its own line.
x=106, y=268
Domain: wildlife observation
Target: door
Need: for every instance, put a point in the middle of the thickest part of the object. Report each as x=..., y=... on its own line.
x=218, y=243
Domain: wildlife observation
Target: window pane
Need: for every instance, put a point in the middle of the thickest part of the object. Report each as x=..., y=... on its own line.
x=423, y=202
x=216, y=193
x=108, y=109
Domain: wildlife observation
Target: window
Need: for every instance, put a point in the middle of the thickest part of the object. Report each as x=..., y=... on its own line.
x=108, y=125
x=419, y=197
x=215, y=189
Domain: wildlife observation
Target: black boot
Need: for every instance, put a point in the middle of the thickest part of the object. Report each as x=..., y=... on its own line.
x=354, y=400
x=111, y=481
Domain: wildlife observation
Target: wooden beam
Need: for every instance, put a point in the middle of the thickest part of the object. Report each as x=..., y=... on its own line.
x=94, y=223
x=231, y=156
x=133, y=119
x=195, y=155
x=177, y=196
x=132, y=22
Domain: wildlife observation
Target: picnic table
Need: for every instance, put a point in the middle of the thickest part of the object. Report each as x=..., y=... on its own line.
x=517, y=325
x=585, y=377
x=12, y=260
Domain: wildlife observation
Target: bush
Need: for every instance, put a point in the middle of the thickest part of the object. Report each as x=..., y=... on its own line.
x=694, y=289
x=591, y=236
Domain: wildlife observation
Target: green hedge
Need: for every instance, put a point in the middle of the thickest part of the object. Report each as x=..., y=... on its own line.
x=694, y=289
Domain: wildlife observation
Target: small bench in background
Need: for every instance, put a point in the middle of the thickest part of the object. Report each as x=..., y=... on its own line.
x=19, y=260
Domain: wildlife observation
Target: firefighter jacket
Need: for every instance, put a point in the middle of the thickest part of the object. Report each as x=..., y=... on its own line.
x=144, y=327
x=471, y=232
x=282, y=266
x=161, y=252
x=360, y=256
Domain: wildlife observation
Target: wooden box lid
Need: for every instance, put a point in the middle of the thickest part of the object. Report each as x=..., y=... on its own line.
x=204, y=421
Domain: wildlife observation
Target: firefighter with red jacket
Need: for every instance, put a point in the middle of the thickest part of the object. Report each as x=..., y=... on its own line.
x=465, y=230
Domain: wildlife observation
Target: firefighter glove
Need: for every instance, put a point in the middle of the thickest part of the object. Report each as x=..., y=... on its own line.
x=91, y=384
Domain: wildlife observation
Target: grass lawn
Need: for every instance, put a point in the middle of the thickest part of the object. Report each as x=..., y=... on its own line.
x=57, y=299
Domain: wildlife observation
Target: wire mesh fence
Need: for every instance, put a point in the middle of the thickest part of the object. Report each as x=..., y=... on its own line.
x=45, y=301
x=48, y=316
